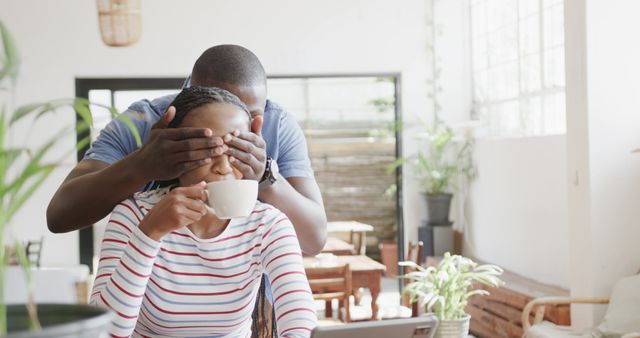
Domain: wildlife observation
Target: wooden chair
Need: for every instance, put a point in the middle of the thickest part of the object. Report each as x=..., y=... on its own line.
x=328, y=283
x=620, y=318
x=34, y=252
x=414, y=254
x=357, y=238
x=539, y=304
x=407, y=309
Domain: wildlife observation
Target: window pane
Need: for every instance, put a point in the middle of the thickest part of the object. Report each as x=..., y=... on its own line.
x=532, y=116
x=530, y=36
x=518, y=66
x=501, y=13
x=294, y=93
x=480, y=86
x=505, y=119
x=503, y=82
x=553, y=22
x=479, y=18
x=342, y=119
x=554, y=68
x=101, y=115
x=123, y=98
x=530, y=73
x=528, y=8
x=480, y=57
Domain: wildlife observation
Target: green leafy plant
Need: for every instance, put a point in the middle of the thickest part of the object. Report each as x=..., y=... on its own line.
x=445, y=289
x=443, y=158
x=24, y=169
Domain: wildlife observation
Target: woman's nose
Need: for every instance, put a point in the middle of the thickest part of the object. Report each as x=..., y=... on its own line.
x=222, y=165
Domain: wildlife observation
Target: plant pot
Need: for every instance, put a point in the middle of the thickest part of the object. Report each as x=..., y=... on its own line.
x=389, y=256
x=438, y=208
x=59, y=320
x=458, y=328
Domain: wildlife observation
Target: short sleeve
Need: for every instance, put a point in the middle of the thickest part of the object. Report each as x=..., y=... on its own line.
x=117, y=141
x=114, y=142
x=293, y=156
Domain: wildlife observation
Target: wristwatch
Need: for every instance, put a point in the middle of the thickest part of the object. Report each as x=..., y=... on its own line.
x=269, y=176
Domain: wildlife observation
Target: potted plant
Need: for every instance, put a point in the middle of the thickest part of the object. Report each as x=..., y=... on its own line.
x=445, y=290
x=23, y=169
x=442, y=162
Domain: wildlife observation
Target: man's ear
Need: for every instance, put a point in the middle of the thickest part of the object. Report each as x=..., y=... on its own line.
x=256, y=125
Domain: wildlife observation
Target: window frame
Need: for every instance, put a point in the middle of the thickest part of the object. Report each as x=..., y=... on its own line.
x=84, y=85
x=523, y=95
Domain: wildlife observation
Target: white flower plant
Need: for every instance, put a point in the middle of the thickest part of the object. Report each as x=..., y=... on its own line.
x=445, y=289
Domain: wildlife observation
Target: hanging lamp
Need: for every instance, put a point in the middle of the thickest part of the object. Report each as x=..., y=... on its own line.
x=120, y=22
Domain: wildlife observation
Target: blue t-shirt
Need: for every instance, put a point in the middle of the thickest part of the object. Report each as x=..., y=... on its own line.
x=285, y=141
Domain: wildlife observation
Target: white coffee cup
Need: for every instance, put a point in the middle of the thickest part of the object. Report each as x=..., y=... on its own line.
x=232, y=198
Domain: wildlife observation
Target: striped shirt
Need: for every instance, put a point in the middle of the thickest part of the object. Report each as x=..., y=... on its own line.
x=185, y=286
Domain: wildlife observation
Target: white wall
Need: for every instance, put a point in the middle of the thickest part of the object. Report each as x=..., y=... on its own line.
x=59, y=41
x=604, y=129
x=518, y=207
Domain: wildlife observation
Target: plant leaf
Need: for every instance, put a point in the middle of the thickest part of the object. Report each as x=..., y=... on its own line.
x=11, y=60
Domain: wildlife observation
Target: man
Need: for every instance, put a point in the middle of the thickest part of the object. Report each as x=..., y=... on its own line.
x=115, y=168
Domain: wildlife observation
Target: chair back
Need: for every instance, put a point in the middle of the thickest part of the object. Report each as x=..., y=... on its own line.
x=34, y=251
x=329, y=283
x=357, y=238
x=414, y=254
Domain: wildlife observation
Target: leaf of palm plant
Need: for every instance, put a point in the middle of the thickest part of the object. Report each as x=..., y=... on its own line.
x=21, y=253
x=32, y=167
x=38, y=109
x=7, y=158
x=10, y=61
x=16, y=202
x=82, y=108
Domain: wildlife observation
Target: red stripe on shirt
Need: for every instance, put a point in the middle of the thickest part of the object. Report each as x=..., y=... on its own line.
x=204, y=274
x=202, y=293
x=195, y=254
x=113, y=221
x=278, y=239
x=126, y=205
x=197, y=312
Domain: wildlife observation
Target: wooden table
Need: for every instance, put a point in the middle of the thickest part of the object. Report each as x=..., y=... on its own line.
x=339, y=247
x=366, y=273
x=352, y=227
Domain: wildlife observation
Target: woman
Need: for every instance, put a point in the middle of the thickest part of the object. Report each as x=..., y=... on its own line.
x=170, y=268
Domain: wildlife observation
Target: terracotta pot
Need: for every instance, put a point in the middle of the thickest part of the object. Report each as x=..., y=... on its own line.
x=389, y=257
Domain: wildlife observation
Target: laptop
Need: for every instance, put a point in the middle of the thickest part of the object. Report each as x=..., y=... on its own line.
x=420, y=327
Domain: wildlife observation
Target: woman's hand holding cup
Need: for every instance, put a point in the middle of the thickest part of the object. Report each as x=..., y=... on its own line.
x=180, y=207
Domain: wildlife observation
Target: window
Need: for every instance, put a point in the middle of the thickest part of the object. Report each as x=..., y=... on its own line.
x=517, y=49
x=346, y=122
x=344, y=119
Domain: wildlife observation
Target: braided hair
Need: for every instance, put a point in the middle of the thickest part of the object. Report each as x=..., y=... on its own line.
x=193, y=97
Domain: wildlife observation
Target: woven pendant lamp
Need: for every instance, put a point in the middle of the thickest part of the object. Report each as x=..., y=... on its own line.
x=120, y=22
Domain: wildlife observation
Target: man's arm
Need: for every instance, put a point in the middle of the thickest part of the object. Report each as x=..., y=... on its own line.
x=94, y=188
x=90, y=192
x=298, y=197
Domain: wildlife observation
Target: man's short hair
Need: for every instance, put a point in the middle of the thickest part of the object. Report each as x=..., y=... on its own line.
x=229, y=64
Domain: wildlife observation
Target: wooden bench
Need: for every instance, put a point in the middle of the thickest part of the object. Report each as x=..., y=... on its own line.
x=499, y=314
